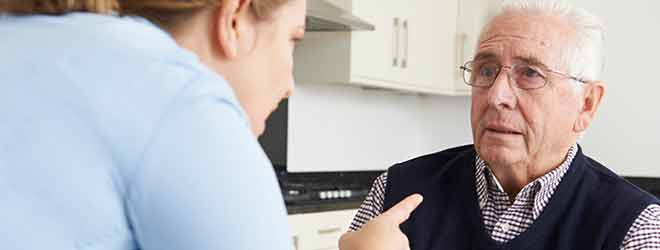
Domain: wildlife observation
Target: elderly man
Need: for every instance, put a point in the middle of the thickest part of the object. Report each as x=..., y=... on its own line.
x=525, y=183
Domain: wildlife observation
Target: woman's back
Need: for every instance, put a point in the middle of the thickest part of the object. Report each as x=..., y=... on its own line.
x=113, y=137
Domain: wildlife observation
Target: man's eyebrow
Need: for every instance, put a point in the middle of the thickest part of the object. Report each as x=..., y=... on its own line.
x=531, y=61
x=484, y=56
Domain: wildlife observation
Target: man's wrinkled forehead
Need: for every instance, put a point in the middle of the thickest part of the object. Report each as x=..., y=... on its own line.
x=542, y=37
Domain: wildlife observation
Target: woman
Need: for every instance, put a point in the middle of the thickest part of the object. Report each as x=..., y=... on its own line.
x=132, y=124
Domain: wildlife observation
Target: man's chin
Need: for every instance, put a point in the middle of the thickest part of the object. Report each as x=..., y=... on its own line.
x=499, y=154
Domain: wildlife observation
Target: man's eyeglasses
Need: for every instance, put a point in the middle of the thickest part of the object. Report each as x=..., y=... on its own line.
x=483, y=73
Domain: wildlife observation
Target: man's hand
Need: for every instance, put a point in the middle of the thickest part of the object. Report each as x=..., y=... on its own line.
x=383, y=233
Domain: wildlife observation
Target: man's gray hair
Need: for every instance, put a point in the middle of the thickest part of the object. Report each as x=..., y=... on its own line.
x=585, y=57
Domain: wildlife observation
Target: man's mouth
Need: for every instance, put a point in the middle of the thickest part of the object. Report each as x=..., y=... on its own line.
x=502, y=129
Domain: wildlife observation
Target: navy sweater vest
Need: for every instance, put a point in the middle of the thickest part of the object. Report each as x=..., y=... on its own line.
x=592, y=208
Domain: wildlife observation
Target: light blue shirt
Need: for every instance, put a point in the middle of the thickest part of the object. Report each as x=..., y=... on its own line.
x=113, y=137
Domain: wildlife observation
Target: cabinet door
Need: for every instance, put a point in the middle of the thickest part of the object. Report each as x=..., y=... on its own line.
x=375, y=53
x=319, y=231
x=472, y=17
x=431, y=46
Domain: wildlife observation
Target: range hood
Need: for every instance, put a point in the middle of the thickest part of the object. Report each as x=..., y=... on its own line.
x=325, y=16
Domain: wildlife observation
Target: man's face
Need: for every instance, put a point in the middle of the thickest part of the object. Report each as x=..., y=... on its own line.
x=512, y=125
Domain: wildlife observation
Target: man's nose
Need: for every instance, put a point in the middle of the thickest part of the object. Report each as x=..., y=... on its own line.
x=501, y=94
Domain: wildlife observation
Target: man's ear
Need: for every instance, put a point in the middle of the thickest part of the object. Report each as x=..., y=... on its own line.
x=232, y=20
x=591, y=99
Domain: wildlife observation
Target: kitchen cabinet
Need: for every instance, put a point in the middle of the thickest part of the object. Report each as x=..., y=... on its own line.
x=431, y=62
x=472, y=17
x=319, y=231
x=417, y=46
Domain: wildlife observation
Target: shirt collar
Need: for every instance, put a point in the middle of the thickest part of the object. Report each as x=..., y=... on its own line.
x=540, y=189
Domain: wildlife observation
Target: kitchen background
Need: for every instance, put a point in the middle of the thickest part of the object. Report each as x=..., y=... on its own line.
x=367, y=99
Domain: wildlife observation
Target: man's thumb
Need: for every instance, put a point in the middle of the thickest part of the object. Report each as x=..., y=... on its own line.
x=400, y=212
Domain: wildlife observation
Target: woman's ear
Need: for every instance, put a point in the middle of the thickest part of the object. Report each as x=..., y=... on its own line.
x=591, y=99
x=233, y=23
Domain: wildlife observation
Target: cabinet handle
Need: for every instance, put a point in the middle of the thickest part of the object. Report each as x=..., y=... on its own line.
x=395, y=38
x=296, y=242
x=404, y=61
x=329, y=230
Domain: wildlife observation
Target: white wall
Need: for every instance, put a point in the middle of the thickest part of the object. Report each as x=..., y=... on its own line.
x=337, y=127
x=346, y=128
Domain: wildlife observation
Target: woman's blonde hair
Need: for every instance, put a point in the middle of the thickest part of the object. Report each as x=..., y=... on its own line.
x=166, y=13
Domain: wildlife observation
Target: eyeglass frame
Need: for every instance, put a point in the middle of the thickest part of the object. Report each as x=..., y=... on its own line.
x=510, y=68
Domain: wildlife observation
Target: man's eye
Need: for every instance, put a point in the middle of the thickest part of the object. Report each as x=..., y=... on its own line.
x=488, y=71
x=530, y=72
